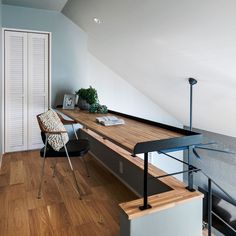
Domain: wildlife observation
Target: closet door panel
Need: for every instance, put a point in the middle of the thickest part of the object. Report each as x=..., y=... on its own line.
x=38, y=81
x=15, y=91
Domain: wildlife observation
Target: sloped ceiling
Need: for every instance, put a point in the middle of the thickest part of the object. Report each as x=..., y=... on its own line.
x=156, y=45
x=55, y=5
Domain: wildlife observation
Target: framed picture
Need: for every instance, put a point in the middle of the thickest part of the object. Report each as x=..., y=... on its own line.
x=69, y=101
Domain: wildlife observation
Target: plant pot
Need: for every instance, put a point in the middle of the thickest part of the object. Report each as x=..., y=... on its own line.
x=83, y=105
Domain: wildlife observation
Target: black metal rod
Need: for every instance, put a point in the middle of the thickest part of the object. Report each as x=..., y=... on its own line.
x=190, y=173
x=217, y=185
x=177, y=173
x=191, y=108
x=145, y=194
x=191, y=81
x=229, y=226
x=196, y=154
x=214, y=150
x=145, y=186
x=173, y=158
x=209, y=207
x=205, y=144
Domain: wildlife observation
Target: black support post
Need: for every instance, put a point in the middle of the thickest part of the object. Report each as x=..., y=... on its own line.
x=145, y=184
x=190, y=186
x=209, y=207
x=192, y=82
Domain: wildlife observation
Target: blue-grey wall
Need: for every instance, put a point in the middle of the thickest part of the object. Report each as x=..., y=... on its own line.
x=69, y=46
x=219, y=166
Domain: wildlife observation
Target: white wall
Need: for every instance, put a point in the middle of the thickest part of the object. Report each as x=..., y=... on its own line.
x=156, y=45
x=69, y=45
x=74, y=67
x=120, y=96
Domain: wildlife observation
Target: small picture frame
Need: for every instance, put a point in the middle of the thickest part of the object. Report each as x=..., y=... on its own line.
x=69, y=101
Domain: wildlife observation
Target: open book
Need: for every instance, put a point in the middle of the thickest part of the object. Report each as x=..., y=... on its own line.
x=109, y=120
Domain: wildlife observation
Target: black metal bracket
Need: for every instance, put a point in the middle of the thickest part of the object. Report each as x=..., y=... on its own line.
x=192, y=81
x=142, y=208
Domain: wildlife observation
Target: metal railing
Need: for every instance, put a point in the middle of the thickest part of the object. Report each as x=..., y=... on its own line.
x=210, y=212
x=191, y=170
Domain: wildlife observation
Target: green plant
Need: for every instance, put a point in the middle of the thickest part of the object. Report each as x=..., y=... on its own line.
x=97, y=108
x=89, y=94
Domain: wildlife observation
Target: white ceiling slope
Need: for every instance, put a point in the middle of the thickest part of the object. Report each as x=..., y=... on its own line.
x=157, y=44
x=56, y=5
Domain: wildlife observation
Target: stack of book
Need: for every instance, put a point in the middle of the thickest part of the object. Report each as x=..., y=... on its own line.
x=109, y=120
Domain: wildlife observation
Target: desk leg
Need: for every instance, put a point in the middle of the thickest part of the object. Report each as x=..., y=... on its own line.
x=145, y=184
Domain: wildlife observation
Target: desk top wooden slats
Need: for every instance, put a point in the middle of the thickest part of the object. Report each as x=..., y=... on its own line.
x=159, y=202
x=128, y=135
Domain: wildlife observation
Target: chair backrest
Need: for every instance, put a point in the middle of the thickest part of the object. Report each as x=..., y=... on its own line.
x=43, y=136
x=51, y=122
x=40, y=123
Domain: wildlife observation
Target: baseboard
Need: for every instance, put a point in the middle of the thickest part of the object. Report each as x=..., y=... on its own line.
x=1, y=156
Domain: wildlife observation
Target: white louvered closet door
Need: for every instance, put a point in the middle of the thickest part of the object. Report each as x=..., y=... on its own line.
x=15, y=91
x=37, y=85
x=26, y=88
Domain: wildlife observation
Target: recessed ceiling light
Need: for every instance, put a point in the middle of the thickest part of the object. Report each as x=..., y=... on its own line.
x=97, y=20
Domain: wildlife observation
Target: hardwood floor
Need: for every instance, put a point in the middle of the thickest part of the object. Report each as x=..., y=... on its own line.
x=59, y=211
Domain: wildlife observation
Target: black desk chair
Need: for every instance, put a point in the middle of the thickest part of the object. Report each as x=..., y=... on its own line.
x=74, y=148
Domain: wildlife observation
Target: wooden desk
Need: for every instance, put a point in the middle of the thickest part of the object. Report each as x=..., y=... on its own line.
x=123, y=139
x=136, y=132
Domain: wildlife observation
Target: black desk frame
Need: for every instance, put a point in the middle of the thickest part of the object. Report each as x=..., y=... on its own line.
x=189, y=139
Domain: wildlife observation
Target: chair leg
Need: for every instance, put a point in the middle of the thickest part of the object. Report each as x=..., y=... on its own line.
x=75, y=180
x=76, y=136
x=41, y=178
x=42, y=169
x=86, y=166
x=77, y=185
x=54, y=168
x=72, y=169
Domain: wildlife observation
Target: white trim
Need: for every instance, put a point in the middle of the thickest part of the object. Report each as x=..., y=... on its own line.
x=1, y=157
x=2, y=136
x=49, y=69
x=26, y=31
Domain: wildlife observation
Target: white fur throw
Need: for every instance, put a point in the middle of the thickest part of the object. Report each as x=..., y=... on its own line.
x=51, y=121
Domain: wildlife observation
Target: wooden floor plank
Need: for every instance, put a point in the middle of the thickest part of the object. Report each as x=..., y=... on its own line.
x=39, y=222
x=33, y=201
x=3, y=211
x=59, y=216
x=78, y=210
x=50, y=191
x=5, y=171
x=59, y=211
x=18, y=220
x=17, y=172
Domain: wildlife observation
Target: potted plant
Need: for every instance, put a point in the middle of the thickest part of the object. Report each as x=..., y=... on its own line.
x=87, y=97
